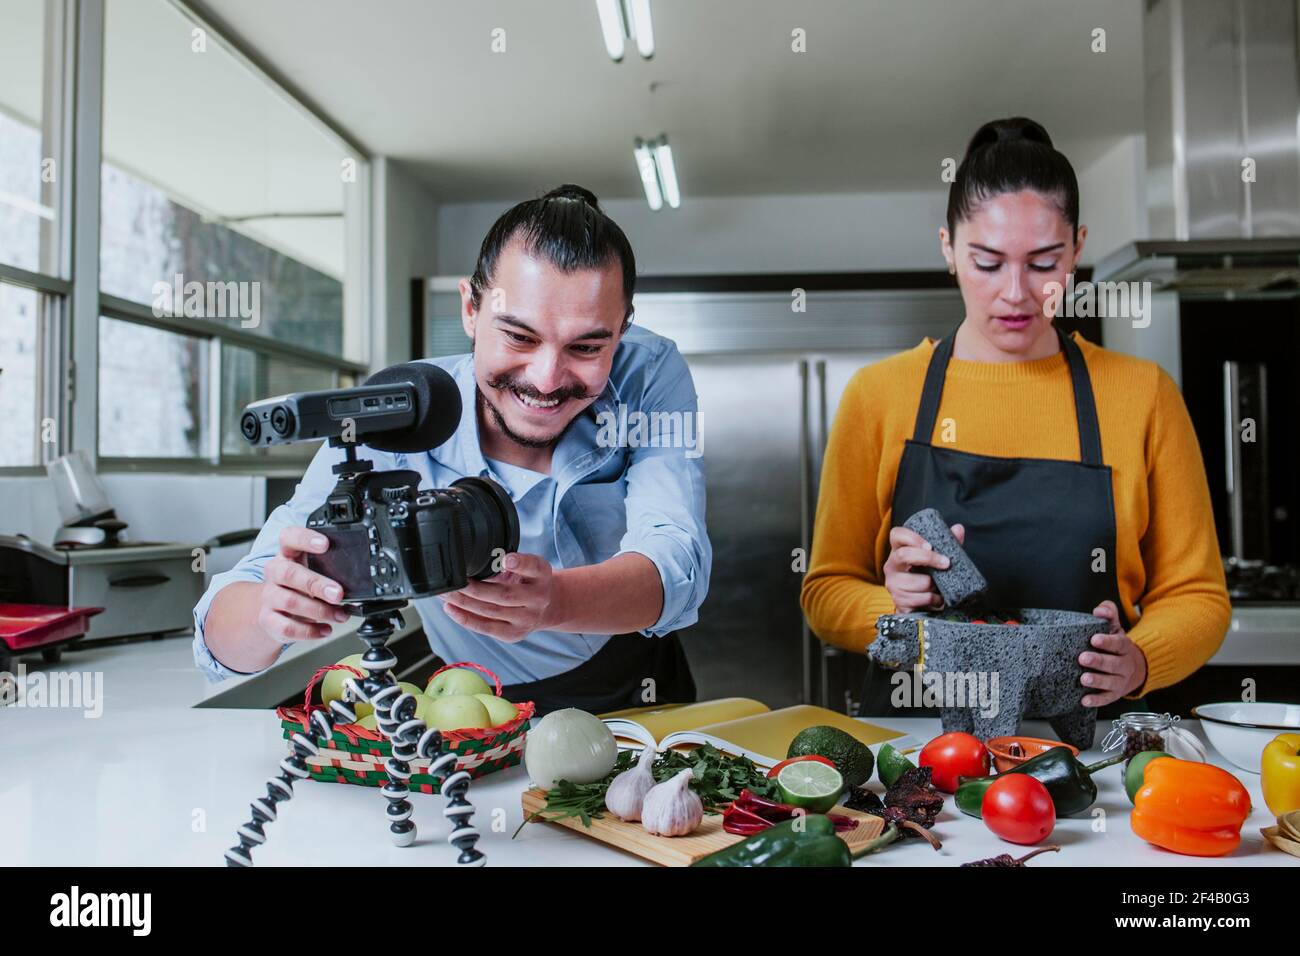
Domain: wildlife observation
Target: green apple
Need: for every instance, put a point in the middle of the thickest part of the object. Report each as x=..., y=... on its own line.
x=458, y=680
x=370, y=722
x=457, y=712
x=332, y=685
x=500, y=710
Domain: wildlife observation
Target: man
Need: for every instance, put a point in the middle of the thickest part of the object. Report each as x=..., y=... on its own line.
x=613, y=556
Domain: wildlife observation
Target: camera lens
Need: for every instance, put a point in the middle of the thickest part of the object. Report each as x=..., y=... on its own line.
x=488, y=521
x=250, y=426
x=281, y=421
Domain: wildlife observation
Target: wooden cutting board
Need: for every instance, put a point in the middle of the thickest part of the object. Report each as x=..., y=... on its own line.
x=685, y=850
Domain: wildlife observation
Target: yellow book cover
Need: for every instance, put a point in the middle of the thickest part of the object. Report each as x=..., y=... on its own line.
x=736, y=725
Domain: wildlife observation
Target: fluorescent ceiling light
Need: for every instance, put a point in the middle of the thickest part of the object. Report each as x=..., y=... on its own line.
x=612, y=27
x=654, y=161
x=623, y=20
x=645, y=165
x=667, y=171
x=642, y=30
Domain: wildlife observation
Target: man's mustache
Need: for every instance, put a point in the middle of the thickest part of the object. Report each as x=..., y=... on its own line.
x=577, y=390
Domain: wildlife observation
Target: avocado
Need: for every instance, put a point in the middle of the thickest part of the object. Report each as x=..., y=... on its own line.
x=851, y=757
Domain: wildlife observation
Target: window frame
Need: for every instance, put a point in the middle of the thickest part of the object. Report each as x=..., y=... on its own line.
x=55, y=288
x=68, y=328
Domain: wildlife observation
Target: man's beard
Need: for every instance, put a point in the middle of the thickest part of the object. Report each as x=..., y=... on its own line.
x=506, y=384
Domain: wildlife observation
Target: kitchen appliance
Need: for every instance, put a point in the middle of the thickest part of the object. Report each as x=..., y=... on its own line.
x=144, y=587
x=769, y=378
x=30, y=627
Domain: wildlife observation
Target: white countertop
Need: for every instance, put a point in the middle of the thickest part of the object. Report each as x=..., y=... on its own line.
x=153, y=782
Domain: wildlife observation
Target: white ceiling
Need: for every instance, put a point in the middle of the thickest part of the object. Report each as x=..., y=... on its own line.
x=885, y=91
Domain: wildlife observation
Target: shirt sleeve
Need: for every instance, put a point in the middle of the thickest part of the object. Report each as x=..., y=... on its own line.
x=1185, y=606
x=310, y=494
x=843, y=591
x=665, y=495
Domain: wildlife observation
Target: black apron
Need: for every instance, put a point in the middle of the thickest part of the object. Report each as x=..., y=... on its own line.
x=612, y=679
x=1032, y=524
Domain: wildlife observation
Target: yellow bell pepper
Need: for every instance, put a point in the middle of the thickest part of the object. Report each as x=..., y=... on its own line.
x=1279, y=770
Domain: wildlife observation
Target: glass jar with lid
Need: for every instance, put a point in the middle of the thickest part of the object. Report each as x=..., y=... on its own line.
x=1138, y=731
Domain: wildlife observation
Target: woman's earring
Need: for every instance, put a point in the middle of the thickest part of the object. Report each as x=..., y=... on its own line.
x=952, y=269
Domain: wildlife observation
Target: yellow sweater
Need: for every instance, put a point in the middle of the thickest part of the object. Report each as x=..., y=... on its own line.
x=1170, y=573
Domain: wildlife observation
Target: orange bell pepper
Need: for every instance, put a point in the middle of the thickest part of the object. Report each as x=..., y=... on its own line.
x=1280, y=774
x=1190, y=807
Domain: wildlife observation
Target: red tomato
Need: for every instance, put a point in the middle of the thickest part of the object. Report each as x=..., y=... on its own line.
x=782, y=765
x=954, y=755
x=1019, y=809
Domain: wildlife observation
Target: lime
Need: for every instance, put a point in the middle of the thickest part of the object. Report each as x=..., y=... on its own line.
x=810, y=784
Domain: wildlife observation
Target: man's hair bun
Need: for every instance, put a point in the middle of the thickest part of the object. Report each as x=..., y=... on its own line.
x=572, y=191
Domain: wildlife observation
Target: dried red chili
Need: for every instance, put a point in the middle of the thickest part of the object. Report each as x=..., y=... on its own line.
x=750, y=813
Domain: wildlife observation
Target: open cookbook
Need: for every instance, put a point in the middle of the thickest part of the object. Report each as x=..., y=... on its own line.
x=736, y=725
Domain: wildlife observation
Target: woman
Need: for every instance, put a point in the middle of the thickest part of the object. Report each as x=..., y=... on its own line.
x=1071, y=473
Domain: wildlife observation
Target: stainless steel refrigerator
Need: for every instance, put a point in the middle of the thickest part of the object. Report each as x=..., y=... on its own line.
x=769, y=380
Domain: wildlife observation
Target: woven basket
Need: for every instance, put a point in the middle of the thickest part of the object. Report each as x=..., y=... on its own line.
x=356, y=755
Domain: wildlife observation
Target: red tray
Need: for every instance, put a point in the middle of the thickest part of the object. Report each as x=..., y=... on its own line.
x=23, y=626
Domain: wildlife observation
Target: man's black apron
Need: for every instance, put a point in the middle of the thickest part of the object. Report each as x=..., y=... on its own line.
x=1034, y=526
x=614, y=678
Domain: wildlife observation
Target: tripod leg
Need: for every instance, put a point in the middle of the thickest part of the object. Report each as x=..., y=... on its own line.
x=454, y=786
x=280, y=789
x=394, y=709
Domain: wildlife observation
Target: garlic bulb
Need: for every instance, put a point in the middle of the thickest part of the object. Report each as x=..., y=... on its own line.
x=672, y=808
x=627, y=791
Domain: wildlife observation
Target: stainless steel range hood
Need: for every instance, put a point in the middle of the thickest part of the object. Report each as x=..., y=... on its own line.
x=1222, y=104
x=1209, y=268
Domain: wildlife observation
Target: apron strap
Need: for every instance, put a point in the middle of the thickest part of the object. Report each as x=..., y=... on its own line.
x=932, y=392
x=1085, y=407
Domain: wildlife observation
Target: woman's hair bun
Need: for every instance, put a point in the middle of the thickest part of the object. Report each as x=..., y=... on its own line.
x=1007, y=156
x=1008, y=130
x=572, y=191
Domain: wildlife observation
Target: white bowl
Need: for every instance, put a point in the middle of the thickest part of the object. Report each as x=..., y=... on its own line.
x=1241, y=731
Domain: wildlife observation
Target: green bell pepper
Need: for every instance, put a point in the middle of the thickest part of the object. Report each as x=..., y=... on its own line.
x=1068, y=781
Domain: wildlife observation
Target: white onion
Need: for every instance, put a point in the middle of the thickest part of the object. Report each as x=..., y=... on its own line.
x=570, y=745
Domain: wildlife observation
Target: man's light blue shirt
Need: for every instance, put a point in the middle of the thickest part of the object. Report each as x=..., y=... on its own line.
x=636, y=494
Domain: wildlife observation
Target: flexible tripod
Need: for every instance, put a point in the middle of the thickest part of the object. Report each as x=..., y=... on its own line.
x=409, y=737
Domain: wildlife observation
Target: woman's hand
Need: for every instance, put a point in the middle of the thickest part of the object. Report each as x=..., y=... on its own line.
x=913, y=590
x=1117, y=667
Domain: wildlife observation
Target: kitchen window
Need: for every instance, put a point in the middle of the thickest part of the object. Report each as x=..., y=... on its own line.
x=33, y=255
x=19, y=363
x=232, y=226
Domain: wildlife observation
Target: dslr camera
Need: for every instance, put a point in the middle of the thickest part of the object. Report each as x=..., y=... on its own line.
x=390, y=540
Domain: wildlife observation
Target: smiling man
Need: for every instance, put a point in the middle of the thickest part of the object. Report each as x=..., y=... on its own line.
x=613, y=556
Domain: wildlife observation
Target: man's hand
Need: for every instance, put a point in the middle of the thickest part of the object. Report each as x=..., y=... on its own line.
x=510, y=605
x=1117, y=667
x=298, y=604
